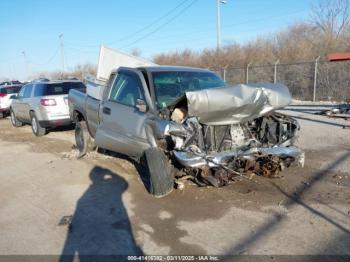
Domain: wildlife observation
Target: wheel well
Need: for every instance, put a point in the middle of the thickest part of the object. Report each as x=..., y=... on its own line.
x=78, y=116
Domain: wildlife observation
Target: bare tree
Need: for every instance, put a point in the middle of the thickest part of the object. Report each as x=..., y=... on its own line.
x=331, y=16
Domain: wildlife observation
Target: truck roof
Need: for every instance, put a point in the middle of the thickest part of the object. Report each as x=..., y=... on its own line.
x=55, y=81
x=172, y=68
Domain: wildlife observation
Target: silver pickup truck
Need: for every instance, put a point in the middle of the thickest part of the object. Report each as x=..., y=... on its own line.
x=186, y=123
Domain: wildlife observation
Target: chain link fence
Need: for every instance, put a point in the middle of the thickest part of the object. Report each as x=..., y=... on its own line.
x=310, y=81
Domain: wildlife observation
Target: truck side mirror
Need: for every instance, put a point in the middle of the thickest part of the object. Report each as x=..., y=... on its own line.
x=141, y=105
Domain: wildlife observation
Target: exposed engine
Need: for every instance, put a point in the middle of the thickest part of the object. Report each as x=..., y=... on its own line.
x=217, y=154
x=214, y=154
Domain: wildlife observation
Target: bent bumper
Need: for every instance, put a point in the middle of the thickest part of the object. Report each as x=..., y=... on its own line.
x=189, y=159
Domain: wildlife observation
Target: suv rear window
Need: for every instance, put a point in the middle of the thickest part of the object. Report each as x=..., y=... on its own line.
x=10, y=89
x=45, y=89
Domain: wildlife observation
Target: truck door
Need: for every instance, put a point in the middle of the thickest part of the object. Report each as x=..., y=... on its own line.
x=121, y=126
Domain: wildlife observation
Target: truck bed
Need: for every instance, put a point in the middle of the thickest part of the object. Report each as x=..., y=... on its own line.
x=85, y=105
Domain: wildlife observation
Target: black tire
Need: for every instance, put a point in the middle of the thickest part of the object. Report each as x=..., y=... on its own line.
x=159, y=171
x=37, y=129
x=14, y=121
x=2, y=115
x=83, y=140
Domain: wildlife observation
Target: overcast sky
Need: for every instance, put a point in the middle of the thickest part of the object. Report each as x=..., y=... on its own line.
x=151, y=26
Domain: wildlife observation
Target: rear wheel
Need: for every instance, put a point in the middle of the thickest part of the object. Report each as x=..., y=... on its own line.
x=36, y=128
x=160, y=172
x=2, y=115
x=83, y=139
x=14, y=121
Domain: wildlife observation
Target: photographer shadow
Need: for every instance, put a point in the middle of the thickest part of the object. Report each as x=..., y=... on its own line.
x=100, y=229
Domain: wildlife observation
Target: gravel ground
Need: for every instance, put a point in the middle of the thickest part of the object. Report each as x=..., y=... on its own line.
x=306, y=212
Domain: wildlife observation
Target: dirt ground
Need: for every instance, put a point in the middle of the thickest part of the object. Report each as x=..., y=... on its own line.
x=306, y=212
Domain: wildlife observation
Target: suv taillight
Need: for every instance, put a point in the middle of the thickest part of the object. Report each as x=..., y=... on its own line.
x=2, y=94
x=48, y=102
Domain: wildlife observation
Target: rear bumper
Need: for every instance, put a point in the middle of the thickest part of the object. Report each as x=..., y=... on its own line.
x=5, y=110
x=55, y=123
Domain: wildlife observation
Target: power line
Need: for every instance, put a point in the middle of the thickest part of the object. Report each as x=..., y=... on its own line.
x=151, y=24
x=143, y=28
x=200, y=39
x=190, y=33
x=227, y=26
x=77, y=50
x=162, y=25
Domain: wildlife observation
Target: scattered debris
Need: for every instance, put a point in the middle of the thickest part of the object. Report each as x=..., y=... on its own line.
x=306, y=183
x=67, y=221
x=339, y=111
x=179, y=185
x=70, y=155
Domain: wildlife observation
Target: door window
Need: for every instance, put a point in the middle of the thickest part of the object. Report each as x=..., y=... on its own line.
x=28, y=91
x=21, y=92
x=126, y=89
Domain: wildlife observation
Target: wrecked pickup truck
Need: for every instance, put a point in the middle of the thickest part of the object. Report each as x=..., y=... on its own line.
x=186, y=123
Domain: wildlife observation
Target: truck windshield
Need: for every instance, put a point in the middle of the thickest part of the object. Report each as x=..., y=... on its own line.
x=49, y=89
x=169, y=86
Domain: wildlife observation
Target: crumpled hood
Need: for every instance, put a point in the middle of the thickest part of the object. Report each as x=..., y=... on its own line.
x=236, y=104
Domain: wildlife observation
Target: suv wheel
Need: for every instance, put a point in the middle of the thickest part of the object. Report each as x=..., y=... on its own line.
x=36, y=128
x=83, y=139
x=14, y=121
x=159, y=171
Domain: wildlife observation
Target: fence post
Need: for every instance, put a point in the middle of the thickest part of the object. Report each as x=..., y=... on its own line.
x=247, y=73
x=275, y=74
x=224, y=73
x=315, y=79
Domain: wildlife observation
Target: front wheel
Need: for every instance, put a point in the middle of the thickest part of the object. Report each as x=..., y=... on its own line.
x=159, y=171
x=83, y=139
x=37, y=129
x=14, y=121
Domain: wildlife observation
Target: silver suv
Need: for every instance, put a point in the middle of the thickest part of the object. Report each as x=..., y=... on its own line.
x=43, y=104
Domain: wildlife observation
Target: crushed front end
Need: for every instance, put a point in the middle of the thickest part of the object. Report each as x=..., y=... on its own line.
x=218, y=134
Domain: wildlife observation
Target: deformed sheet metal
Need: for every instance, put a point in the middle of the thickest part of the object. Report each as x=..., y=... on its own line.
x=237, y=104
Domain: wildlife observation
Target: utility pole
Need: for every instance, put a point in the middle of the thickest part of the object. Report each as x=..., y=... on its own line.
x=62, y=54
x=218, y=23
x=26, y=63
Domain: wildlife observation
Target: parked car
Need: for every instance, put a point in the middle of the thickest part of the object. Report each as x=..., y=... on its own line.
x=189, y=121
x=8, y=91
x=43, y=104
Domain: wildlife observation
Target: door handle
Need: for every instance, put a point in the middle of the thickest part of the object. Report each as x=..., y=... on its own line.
x=106, y=110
